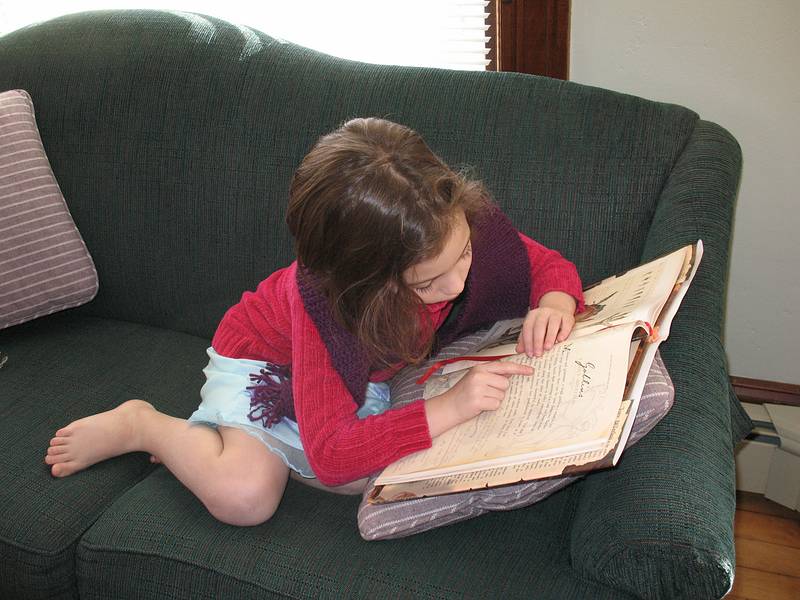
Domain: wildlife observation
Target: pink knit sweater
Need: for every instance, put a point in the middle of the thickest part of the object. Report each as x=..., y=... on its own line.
x=272, y=325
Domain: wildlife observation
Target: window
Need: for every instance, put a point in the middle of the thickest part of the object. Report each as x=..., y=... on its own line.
x=440, y=33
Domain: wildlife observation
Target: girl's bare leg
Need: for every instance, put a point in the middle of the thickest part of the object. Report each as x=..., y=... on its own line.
x=233, y=474
x=353, y=488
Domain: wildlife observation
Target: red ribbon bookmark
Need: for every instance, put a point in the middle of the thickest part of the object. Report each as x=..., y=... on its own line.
x=652, y=333
x=438, y=365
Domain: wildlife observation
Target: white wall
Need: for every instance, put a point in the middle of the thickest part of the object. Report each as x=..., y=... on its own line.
x=735, y=62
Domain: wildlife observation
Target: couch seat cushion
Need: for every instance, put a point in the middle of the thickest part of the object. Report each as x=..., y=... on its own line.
x=61, y=368
x=158, y=541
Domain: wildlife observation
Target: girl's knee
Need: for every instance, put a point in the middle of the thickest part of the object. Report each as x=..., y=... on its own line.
x=247, y=482
x=247, y=502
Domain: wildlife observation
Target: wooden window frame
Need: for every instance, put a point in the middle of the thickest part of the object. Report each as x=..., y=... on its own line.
x=529, y=36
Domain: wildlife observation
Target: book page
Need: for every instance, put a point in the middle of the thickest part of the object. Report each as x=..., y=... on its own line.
x=503, y=475
x=569, y=405
x=647, y=350
x=635, y=295
x=689, y=270
x=641, y=361
x=648, y=293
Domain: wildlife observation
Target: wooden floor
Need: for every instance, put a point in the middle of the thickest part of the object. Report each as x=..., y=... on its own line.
x=767, y=550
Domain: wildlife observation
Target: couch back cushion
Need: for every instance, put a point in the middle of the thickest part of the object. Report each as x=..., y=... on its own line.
x=175, y=137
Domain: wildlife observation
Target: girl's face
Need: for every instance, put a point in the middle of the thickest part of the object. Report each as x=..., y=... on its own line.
x=442, y=277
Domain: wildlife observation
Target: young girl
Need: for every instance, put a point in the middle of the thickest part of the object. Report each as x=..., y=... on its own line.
x=396, y=255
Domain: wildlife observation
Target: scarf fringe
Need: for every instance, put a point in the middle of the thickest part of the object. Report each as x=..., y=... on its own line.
x=271, y=395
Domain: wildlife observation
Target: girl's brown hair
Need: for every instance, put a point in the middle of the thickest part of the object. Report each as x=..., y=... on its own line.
x=369, y=201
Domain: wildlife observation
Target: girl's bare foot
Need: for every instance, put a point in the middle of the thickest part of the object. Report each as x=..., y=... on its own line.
x=87, y=441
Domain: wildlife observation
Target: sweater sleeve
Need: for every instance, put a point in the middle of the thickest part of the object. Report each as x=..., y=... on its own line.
x=339, y=446
x=271, y=324
x=258, y=326
x=551, y=272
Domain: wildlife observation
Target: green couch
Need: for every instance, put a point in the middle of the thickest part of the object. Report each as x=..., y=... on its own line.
x=174, y=137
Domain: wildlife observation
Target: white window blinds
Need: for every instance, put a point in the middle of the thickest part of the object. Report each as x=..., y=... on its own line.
x=439, y=33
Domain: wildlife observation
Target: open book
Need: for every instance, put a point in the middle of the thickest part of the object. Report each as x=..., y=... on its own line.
x=576, y=411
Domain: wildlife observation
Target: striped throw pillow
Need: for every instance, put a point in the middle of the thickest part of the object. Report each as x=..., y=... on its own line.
x=44, y=264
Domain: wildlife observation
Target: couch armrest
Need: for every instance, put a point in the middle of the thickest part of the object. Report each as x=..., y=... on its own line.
x=660, y=524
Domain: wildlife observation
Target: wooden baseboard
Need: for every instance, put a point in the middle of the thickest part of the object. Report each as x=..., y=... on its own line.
x=759, y=391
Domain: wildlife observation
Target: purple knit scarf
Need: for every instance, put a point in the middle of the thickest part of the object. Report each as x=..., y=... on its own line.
x=498, y=287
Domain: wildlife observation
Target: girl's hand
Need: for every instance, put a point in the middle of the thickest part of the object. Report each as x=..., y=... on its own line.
x=551, y=322
x=482, y=388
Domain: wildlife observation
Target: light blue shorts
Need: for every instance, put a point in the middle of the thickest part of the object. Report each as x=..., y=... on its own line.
x=225, y=401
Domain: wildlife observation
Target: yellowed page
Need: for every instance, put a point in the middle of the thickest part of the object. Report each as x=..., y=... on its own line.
x=636, y=295
x=504, y=475
x=639, y=294
x=569, y=405
x=670, y=308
